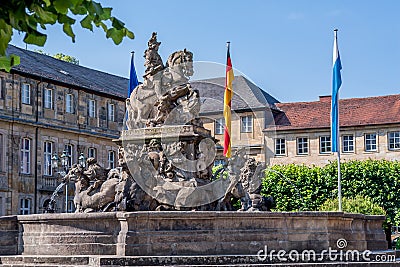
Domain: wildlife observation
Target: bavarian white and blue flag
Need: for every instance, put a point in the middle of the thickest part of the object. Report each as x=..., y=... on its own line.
x=336, y=83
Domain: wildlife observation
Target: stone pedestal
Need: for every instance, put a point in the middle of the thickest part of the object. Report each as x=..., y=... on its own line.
x=187, y=233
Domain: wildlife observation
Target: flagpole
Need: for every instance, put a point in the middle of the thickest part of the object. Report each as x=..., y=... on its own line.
x=338, y=142
x=338, y=161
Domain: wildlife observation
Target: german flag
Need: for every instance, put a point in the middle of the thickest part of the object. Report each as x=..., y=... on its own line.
x=227, y=104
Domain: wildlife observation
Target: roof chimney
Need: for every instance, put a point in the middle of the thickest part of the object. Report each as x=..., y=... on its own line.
x=325, y=98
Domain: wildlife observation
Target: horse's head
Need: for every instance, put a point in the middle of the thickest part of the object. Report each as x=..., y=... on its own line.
x=181, y=61
x=74, y=173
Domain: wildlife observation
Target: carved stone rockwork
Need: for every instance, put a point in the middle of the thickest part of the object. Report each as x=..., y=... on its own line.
x=165, y=154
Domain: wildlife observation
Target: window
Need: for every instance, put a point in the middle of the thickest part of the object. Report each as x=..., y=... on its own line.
x=47, y=154
x=71, y=206
x=26, y=94
x=370, y=142
x=219, y=126
x=247, y=124
x=280, y=147
x=69, y=150
x=218, y=162
x=348, y=143
x=325, y=144
x=111, y=112
x=91, y=152
x=302, y=146
x=92, y=108
x=2, y=88
x=1, y=153
x=111, y=159
x=69, y=103
x=394, y=140
x=48, y=98
x=26, y=155
x=25, y=206
x=1, y=207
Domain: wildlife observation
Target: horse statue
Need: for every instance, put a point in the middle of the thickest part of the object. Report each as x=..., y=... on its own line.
x=157, y=95
x=86, y=199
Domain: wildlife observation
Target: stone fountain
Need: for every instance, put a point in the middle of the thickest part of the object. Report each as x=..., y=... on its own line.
x=163, y=204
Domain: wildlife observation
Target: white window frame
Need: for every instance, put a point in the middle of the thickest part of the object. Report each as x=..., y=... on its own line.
x=111, y=159
x=280, y=147
x=348, y=145
x=69, y=103
x=92, y=108
x=48, y=98
x=25, y=205
x=111, y=112
x=394, y=140
x=219, y=126
x=26, y=155
x=92, y=152
x=246, y=124
x=325, y=144
x=26, y=94
x=302, y=146
x=47, y=154
x=371, y=144
x=69, y=148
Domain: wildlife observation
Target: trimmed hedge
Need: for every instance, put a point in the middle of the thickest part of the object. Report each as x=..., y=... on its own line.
x=358, y=204
x=299, y=187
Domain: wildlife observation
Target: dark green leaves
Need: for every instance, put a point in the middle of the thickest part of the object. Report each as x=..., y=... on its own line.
x=62, y=6
x=27, y=16
x=297, y=187
x=6, y=63
x=35, y=38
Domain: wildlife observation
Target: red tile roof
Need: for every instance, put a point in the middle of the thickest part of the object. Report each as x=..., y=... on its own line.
x=353, y=112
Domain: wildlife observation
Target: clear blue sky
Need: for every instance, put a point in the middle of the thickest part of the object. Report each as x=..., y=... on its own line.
x=284, y=46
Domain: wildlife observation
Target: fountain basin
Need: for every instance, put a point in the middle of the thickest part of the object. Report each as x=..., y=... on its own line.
x=186, y=233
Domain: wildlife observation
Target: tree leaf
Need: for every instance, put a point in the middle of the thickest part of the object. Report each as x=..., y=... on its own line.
x=106, y=13
x=115, y=35
x=68, y=31
x=7, y=62
x=116, y=23
x=65, y=19
x=97, y=8
x=35, y=38
x=45, y=16
x=62, y=6
x=87, y=23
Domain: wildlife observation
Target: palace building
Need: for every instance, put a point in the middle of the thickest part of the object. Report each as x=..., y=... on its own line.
x=299, y=132
x=369, y=129
x=47, y=107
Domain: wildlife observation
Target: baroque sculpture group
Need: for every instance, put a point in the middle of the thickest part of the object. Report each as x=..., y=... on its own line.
x=165, y=155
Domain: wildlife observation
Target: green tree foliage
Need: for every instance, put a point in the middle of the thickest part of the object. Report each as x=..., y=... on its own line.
x=32, y=16
x=358, y=204
x=66, y=58
x=61, y=56
x=299, y=187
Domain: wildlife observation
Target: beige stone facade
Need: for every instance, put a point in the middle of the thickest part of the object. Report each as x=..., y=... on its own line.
x=316, y=157
x=40, y=118
x=369, y=129
x=250, y=138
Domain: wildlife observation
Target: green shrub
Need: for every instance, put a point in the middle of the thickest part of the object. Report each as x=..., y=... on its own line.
x=299, y=187
x=358, y=204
